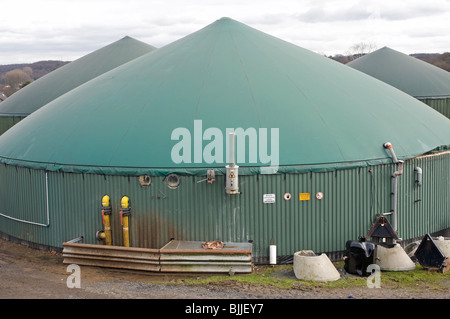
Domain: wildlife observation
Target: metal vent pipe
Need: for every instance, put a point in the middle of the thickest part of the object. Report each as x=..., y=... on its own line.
x=395, y=176
x=232, y=186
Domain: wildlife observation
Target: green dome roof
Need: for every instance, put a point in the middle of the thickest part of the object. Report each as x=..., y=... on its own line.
x=71, y=75
x=411, y=75
x=226, y=75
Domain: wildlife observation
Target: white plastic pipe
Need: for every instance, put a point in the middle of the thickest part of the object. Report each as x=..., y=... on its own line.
x=391, y=149
x=232, y=149
x=273, y=254
x=396, y=174
x=395, y=203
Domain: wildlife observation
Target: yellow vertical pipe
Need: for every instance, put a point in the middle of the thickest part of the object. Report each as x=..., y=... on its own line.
x=106, y=212
x=108, y=235
x=126, y=233
x=124, y=218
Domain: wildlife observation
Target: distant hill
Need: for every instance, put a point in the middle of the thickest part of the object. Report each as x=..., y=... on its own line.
x=428, y=57
x=40, y=68
x=440, y=60
x=24, y=74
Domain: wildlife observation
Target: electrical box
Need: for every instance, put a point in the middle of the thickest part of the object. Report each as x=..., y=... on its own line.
x=232, y=185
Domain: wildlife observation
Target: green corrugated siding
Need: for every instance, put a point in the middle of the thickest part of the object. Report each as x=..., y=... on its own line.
x=425, y=209
x=23, y=197
x=441, y=105
x=200, y=211
x=6, y=122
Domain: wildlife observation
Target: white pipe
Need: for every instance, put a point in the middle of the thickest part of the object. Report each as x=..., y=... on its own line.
x=394, y=204
x=396, y=174
x=232, y=149
x=46, y=199
x=395, y=199
x=273, y=254
x=391, y=149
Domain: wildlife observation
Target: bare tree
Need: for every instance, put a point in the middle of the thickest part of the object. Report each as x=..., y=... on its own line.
x=16, y=78
x=359, y=49
x=28, y=70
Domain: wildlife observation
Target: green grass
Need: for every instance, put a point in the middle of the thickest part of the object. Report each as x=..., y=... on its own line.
x=281, y=277
x=414, y=278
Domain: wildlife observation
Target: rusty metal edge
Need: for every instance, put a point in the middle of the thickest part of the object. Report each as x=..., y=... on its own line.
x=206, y=268
x=112, y=259
x=162, y=250
x=110, y=264
x=202, y=257
x=119, y=254
x=206, y=251
x=121, y=248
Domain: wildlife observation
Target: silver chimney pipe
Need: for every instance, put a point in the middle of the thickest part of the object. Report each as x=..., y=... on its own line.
x=232, y=186
x=232, y=149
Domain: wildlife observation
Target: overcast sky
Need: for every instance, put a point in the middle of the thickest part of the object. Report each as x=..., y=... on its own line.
x=35, y=30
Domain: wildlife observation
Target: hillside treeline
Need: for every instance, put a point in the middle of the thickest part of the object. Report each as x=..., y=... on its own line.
x=13, y=77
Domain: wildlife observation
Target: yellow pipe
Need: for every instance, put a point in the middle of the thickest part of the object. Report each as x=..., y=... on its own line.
x=125, y=203
x=126, y=233
x=108, y=234
x=106, y=212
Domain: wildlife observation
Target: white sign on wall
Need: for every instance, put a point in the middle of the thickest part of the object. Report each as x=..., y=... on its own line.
x=269, y=198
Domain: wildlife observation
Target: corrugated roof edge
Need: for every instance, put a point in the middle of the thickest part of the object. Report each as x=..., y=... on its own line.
x=436, y=97
x=13, y=115
x=201, y=171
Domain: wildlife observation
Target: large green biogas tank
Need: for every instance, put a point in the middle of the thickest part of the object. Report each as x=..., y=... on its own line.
x=309, y=147
x=68, y=77
x=422, y=80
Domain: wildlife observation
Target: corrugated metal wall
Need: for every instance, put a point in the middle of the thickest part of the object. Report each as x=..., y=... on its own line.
x=197, y=210
x=425, y=209
x=24, y=204
x=440, y=105
x=6, y=122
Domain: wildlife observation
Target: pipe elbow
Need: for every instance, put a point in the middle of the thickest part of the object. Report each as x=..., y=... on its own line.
x=400, y=169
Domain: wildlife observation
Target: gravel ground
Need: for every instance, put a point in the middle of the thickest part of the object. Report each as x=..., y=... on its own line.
x=35, y=274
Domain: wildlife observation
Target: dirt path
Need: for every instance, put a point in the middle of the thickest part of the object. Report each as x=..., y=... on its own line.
x=35, y=274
